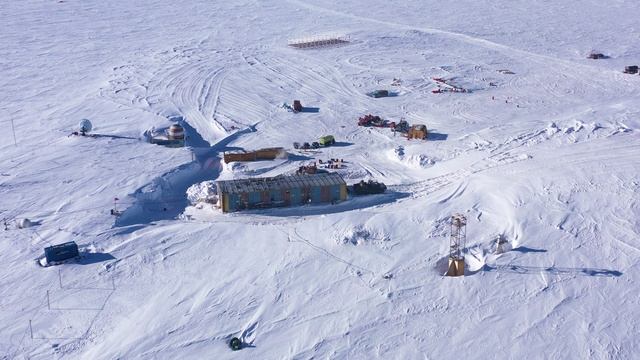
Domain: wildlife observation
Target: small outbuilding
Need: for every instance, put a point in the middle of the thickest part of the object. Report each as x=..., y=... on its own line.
x=256, y=155
x=174, y=136
x=417, y=131
x=280, y=191
x=61, y=252
x=175, y=132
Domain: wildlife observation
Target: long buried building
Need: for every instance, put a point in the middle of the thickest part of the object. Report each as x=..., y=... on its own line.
x=279, y=191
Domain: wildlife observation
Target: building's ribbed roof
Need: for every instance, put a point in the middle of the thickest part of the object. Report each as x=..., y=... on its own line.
x=279, y=183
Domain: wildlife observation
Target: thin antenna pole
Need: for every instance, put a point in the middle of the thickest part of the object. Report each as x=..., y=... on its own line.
x=30, y=329
x=13, y=127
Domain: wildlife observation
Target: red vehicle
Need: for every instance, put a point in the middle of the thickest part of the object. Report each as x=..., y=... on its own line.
x=297, y=106
x=372, y=120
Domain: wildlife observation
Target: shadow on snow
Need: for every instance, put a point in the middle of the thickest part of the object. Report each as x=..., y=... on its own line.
x=434, y=136
x=353, y=203
x=165, y=197
x=94, y=258
x=524, y=250
x=553, y=270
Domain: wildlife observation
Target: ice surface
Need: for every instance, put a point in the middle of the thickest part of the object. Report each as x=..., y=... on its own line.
x=543, y=151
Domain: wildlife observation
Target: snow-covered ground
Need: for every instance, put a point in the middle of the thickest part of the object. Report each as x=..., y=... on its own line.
x=545, y=155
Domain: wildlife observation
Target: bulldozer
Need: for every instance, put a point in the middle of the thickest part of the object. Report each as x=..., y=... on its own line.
x=402, y=126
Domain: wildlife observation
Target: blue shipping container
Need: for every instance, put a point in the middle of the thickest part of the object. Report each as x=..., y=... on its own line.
x=61, y=252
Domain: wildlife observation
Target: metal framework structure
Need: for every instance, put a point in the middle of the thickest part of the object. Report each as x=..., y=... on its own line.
x=458, y=239
x=319, y=41
x=239, y=186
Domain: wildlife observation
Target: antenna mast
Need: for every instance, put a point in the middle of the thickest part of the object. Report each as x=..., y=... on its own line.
x=457, y=243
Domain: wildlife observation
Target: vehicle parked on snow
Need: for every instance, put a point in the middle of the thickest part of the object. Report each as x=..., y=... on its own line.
x=373, y=120
x=297, y=106
x=631, y=69
x=379, y=93
x=402, y=126
x=327, y=140
x=368, y=188
x=596, y=56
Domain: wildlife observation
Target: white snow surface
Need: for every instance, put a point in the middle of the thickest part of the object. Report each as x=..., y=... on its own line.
x=202, y=192
x=547, y=157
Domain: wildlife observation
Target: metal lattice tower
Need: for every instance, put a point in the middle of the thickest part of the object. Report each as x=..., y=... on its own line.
x=458, y=238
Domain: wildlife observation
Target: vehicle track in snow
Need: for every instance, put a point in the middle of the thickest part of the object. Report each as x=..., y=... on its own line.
x=310, y=77
x=551, y=62
x=568, y=77
x=185, y=83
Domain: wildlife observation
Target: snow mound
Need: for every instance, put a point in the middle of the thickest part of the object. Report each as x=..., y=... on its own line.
x=361, y=235
x=24, y=223
x=421, y=160
x=412, y=160
x=355, y=174
x=205, y=191
x=399, y=152
x=551, y=129
x=575, y=128
x=439, y=228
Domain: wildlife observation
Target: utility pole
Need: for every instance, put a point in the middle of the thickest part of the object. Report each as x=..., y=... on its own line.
x=115, y=206
x=13, y=127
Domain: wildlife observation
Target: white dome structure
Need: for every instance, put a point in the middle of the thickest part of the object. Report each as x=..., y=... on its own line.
x=24, y=223
x=85, y=126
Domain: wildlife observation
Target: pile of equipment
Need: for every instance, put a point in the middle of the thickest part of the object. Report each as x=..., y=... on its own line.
x=368, y=188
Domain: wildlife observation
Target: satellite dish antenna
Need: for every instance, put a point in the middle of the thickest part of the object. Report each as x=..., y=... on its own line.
x=85, y=126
